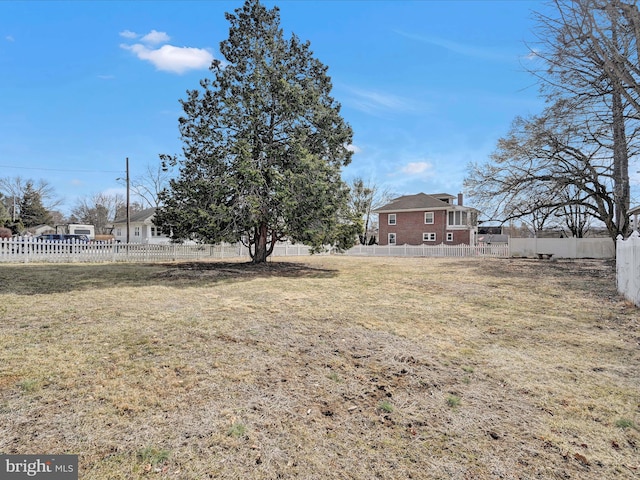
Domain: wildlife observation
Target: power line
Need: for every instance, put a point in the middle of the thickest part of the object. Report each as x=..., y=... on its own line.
x=61, y=169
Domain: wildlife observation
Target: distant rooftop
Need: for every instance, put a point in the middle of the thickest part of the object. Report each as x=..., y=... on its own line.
x=417, y=202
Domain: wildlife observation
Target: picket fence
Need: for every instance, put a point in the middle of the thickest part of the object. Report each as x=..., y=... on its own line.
x=497, y=250
x=628, y=267
x=30, y=250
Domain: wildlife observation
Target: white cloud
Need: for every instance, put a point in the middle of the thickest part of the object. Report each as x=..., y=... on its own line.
x=353, y=148
x=155, y=38
x=9, y=38
x=173, y=59
x=168, y=58
x=377, y=99
x=417, y=168
x=375, y=102
x=128, y=34
x=468, y=50
x=106, y=77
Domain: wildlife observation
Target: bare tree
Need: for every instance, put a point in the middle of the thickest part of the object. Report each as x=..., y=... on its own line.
x=590, y=52
x=149, y=185
x=364, y=198
x=98, y=210
x=573, y=215
x=572, y=161
x=14, y=189
x=549, y=165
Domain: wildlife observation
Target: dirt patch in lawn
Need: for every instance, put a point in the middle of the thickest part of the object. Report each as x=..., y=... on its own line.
x=242, y=270
x=325, y=367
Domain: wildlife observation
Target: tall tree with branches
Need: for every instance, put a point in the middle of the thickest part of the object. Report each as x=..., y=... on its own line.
x=580, y=146
x=591, y=54
x=547, y=166
x=264, y=143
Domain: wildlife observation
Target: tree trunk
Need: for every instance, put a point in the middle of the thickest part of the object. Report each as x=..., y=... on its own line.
x=621, y=192
x=261, y=251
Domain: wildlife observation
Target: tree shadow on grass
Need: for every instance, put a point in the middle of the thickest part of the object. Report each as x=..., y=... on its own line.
x=38, y=279
x=240, y=271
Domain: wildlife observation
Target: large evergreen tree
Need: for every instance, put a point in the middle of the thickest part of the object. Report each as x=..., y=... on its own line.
x=5, y=217
x=32, y=211
x=264, y=143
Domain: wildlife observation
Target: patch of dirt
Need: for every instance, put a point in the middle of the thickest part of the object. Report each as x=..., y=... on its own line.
x=223, y=270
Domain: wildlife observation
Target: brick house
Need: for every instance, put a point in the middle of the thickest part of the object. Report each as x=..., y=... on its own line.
x=427, y=219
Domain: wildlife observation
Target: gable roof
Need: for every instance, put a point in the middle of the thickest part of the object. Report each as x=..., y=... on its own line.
x=419, y=201
x=139, y=217
x=634, y=210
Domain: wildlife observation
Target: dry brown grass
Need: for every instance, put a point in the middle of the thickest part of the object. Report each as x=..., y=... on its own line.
x=323, y=368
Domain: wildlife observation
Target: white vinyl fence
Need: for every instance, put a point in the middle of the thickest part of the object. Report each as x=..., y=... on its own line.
x=628, y=267
x=563, y=247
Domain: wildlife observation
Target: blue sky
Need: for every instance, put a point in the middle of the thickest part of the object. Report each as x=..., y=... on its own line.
x=427, y=86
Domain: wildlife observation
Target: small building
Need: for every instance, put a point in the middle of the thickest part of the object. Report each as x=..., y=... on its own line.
x=633, y=217
x=142, y=228
x=427, y=219
x=40, y=230
x=492, y=239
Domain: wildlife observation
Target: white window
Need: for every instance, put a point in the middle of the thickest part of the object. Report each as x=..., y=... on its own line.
x=457, y=218
x=449, y=236
x=136, y=231
x=156, y=231
x=118, y=232
x=428, y=217
x=392, y=219
x=429, y=237
x=392, y=239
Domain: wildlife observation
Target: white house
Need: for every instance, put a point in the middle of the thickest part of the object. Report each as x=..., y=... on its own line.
x=142, y=229
x=633, y=213
x=41, y=229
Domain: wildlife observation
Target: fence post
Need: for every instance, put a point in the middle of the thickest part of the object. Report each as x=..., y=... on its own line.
x=28, y=246
x=627, y=266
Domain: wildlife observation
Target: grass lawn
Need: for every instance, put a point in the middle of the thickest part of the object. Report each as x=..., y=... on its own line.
x=323, y=368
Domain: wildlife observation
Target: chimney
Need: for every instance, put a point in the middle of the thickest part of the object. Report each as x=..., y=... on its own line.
x=460, y=199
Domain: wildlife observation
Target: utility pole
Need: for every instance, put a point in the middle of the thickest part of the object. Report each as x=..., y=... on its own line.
x=128, y=214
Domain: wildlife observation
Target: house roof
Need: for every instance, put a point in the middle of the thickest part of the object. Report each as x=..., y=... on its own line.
x=419, y=201
x=493, y=238
x=634, y=210
x=138, y=217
